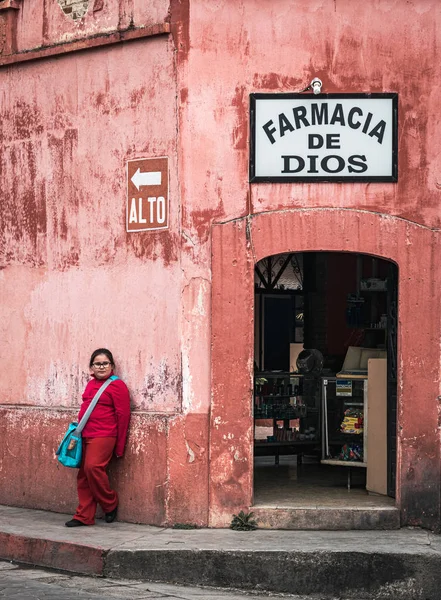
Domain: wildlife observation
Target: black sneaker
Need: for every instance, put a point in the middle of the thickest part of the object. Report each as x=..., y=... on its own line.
x=111, y=516
x=75, y=523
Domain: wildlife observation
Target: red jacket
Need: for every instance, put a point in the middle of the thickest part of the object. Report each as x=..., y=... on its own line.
x=111, y=416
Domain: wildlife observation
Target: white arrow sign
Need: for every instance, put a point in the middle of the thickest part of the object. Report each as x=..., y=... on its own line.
x=150, y=178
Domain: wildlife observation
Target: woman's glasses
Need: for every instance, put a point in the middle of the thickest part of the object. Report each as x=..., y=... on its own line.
x=102, y=365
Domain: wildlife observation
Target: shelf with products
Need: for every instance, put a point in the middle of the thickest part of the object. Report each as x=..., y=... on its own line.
x=344, y=421
x=289, y=405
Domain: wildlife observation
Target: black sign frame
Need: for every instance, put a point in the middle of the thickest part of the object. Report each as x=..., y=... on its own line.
x=393, y=178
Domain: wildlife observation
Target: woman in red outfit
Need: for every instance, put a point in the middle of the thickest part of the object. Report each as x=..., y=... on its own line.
x=104, y=433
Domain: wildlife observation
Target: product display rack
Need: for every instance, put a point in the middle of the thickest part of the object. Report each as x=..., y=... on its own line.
x=339, y=395
x=282, y=397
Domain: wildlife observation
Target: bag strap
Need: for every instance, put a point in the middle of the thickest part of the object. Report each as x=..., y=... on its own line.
x=92, y=405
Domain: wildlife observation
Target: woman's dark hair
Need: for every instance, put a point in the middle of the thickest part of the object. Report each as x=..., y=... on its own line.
x=101, y=351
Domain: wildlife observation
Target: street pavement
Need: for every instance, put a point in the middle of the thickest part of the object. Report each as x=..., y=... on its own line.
x=18, y=583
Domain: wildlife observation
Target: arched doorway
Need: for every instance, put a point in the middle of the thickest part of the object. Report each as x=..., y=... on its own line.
x=238, y=245
x=315, y=418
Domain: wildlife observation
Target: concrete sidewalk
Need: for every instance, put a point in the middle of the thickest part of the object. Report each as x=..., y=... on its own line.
x=403, y=564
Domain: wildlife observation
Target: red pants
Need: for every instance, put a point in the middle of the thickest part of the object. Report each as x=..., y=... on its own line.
x=92, y=480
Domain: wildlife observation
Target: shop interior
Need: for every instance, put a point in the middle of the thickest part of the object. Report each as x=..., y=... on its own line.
x=325, y=380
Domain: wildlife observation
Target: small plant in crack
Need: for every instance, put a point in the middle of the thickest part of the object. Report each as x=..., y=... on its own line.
x=243, y=522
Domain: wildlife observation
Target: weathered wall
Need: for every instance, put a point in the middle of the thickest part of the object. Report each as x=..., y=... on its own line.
x=237, y=246
x=72, y=279
x=43, y=22
x=149, y=477
x=382, y=46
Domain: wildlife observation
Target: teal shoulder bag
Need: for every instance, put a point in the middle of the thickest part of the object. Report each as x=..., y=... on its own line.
x=70, y=450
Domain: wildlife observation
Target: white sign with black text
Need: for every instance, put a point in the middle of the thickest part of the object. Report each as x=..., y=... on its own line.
x=331, y=137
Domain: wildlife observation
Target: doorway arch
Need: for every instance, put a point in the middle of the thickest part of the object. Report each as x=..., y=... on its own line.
x=236, y=247
x=343, y=307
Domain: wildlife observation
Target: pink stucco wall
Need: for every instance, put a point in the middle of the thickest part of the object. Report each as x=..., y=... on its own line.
x=72, y=279
x=237, y=246
x=42, y=23
x=382, y=46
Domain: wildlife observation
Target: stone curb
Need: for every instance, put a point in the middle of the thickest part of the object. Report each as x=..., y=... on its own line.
x=385, y=565
x=382, y=575
x=67, y=556
x=339, y=573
